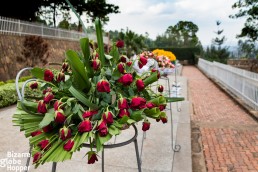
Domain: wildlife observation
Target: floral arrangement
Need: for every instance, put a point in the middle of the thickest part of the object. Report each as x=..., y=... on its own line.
x=93, y=97
x=168, y=54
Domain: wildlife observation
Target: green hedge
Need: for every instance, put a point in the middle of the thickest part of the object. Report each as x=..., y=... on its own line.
x=182, y=53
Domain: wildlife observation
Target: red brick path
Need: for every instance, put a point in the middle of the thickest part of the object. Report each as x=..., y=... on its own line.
x=229, y=134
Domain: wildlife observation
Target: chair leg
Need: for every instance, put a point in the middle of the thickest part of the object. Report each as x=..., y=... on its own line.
x=102, y=165
x=137, y=155
x=28, y=160
x=54, y=167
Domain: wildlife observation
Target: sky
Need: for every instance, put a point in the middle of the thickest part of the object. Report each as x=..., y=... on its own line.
x=155, y=16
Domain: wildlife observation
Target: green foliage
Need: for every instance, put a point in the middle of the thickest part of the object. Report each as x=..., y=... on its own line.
x=217, y=54
x=247, y=49
x=247, y=9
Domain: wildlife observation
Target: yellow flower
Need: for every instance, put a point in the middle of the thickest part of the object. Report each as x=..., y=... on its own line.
x=168, y=54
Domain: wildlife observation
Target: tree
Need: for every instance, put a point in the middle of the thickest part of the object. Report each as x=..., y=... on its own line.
x=248, y=9
x=247, y=49
x=219, y=40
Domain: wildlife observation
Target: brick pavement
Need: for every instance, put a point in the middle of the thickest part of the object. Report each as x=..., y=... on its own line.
x=229, y=136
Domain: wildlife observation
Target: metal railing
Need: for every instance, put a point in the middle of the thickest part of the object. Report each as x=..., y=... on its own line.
x=242, y=83
x=18, y=27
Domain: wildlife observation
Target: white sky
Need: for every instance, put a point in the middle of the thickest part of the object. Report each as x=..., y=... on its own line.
x=154, y=17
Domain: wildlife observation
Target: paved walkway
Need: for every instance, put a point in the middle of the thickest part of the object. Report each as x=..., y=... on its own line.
x=229, y=136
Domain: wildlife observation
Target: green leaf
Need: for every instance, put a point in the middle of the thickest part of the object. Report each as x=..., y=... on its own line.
x=38, y=73
x=114, y=53
x=100, y=40
x=123, y=120
x=113, y=130
x=174, y=99
x=130, y=121
x=80, y=77
x=48, y=118
x=153, y=112
x=137, y=115
x=80, y=96
x=116, y=74
x=151, y=79
x=108, y=56
x=84, y=42
x=105, y=139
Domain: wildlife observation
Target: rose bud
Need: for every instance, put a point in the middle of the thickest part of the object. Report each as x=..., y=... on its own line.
x=85, y=126
x=138, y=103
x=145, y=126
x=47, y=128
x=121, y=68
x=150, y=105
x=57, y=105
x=126, y=79
x=35, y=133
x=160, y=88
x=34, y=85
x=49, y=89
x=60, y=77
x=48, y=75
x=123, y=59
x=123, y=112
x=42, y=107
x=89, y=113
x=36, y=157
x=65, y=133
x=92, y=157
x=158, y=119
x=162, y=107
x=103, y=86
x=59, y=116
x=68, y=145
x=65, y=67
x=44, y=144
x=164, y=119
x=102, y=128
x=140, y=85
x=129, y=63
x=48, y=97
x=95, y=64
x=108, y=117
x=142, y=61
x=122, y=103
x=120, y=44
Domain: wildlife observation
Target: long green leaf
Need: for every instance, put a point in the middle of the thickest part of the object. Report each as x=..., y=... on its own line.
x=152, y=78
x=100, y=40
x=84, y=42
x=81, y=80
x=38, y=73
x=80, y=96
x=48, y=118
x=174, y=99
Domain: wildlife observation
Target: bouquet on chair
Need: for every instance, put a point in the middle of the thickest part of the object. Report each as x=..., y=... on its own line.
x=90, y=99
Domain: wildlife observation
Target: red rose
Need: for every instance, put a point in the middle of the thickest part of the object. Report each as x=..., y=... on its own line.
x=60, y=77
x=89, y=113
x=121, y=68
x=140, y=85
x=65, y=67
x=34, y=85
x=68, y=145
x=36, y=157
x=150, y=105
x=138, y=103
x=102, y=128
x=85, y=126
x=48, y=75
x=120, y=44
x=122, y=103
x=42, y=107
x=160, y=88
x=49, y=89
x=108, y=117
x=123, y=59
x=48, y=97
x=92, y=157
x=44, y=144
x=145, y=126
x=162, y=107
x=57, y=105
x=59, y=116
x=65, y=133
x=164, y=119
x=123, y=112
x=95, y=64
x=35, y=133
x=142, y=61
x=126, y=79
x=129, y=63
x=103, y=86
x=47, y=128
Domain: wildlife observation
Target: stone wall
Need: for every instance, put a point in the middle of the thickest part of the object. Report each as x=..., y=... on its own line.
x=247, y=64
x=11, y=47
